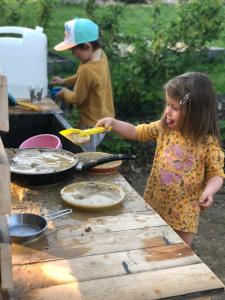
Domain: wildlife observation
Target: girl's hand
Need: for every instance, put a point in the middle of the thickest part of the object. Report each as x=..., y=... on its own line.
x=213, y=186
x=124, y=129
x=206, y=200
x=57, y=80
x=105, y=122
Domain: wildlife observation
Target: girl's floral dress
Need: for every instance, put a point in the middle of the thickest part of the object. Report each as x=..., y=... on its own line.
x=179, y=174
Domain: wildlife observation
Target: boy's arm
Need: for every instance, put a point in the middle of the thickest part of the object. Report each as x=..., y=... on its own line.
x=80, y=91
x=124, y=129
x=213, y=186
x=70, y=81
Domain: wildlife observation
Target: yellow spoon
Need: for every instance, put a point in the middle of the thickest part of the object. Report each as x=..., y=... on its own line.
x=79, y=136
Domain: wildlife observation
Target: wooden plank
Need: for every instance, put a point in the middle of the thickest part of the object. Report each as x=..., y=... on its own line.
x=4, y=120
x=90, y=244
x=102, y=266
x=4, y=234
x=123, y=222
x=6, y=267
x=67, y=227
x=183, y=282
x=203, y=298
x=5, y=195
x=5, y=256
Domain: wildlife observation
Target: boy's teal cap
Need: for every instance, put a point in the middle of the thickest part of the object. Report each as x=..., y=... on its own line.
x=78, y=31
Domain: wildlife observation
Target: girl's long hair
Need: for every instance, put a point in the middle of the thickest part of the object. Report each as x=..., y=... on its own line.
x=195, y=93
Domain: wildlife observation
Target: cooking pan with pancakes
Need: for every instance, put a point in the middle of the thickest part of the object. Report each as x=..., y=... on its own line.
x=41, y=166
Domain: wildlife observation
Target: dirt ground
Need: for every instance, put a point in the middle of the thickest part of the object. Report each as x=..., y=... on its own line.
x=209, y=243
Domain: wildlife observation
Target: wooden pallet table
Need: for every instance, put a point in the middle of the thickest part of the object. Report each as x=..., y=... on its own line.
x=128, y=252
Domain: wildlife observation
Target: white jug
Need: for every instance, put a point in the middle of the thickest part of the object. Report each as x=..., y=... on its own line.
x=23, y=58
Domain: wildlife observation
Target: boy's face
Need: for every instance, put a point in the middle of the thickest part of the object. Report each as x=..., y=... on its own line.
x=83, y=54
x=172, y=112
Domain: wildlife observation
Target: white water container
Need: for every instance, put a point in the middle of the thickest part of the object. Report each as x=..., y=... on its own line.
x=23, y=58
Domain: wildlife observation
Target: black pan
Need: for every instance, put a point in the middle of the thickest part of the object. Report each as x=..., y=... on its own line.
x=31, y=171
x=27, y=227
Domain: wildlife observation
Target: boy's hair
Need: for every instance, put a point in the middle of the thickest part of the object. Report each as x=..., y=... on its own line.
x=95, y=45
x=195, y=93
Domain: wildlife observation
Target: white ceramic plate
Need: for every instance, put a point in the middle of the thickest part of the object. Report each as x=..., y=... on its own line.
x=92, y=195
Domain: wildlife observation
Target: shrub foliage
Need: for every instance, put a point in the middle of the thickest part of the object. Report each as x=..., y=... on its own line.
x=173, y=48
x=139, y=66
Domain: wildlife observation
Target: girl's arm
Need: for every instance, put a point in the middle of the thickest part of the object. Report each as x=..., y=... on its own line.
x=124, y=129
x=213, y=186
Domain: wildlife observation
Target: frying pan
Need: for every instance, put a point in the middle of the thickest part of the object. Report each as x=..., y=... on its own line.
x=27, y=227
x=54, y=173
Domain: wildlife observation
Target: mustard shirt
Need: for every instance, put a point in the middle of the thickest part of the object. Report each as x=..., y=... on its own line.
x=179, y=174
x=92, y=91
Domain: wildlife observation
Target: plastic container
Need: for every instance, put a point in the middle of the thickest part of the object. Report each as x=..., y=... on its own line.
x=23, y=58
x=42, y=141
x=53, y=91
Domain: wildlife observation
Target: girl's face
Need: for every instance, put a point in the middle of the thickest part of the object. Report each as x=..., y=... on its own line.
x=83, y=54
x=172, y=113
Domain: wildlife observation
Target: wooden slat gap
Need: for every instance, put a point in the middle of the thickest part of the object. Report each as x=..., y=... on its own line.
x=195, y=296
x=99, y=253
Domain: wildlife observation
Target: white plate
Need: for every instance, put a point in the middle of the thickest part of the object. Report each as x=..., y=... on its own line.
x=92, y=195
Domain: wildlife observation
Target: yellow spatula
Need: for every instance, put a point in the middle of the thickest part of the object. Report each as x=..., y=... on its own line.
x=12, y=102
x=79, y=136
x=27, y=105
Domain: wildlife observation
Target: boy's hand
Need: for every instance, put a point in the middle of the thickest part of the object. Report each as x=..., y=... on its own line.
x=57, y=80
x=60, y=94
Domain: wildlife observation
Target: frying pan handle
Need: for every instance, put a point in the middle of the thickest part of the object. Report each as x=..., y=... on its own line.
x=57, y=214
x=103, y=160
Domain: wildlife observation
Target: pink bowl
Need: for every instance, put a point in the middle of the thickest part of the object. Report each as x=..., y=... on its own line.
x=42, y=141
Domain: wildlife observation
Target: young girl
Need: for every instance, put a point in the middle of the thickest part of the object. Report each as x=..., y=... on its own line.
x=188, y=165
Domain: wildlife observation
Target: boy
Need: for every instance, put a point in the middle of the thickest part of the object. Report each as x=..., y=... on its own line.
x=92, y=90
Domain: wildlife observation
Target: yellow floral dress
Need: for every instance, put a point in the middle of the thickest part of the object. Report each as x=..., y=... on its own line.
x=179, y=174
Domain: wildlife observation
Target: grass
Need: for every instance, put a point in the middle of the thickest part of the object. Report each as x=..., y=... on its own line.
x=135, y=21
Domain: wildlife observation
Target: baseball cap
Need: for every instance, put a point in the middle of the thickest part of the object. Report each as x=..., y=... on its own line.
x=78, y=31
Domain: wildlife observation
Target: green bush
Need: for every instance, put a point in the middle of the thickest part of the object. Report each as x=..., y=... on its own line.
x=27, y=13
x=134, y=1
x=173, y=48
x=138, y=76
x=221, y=124
x=166, y=50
